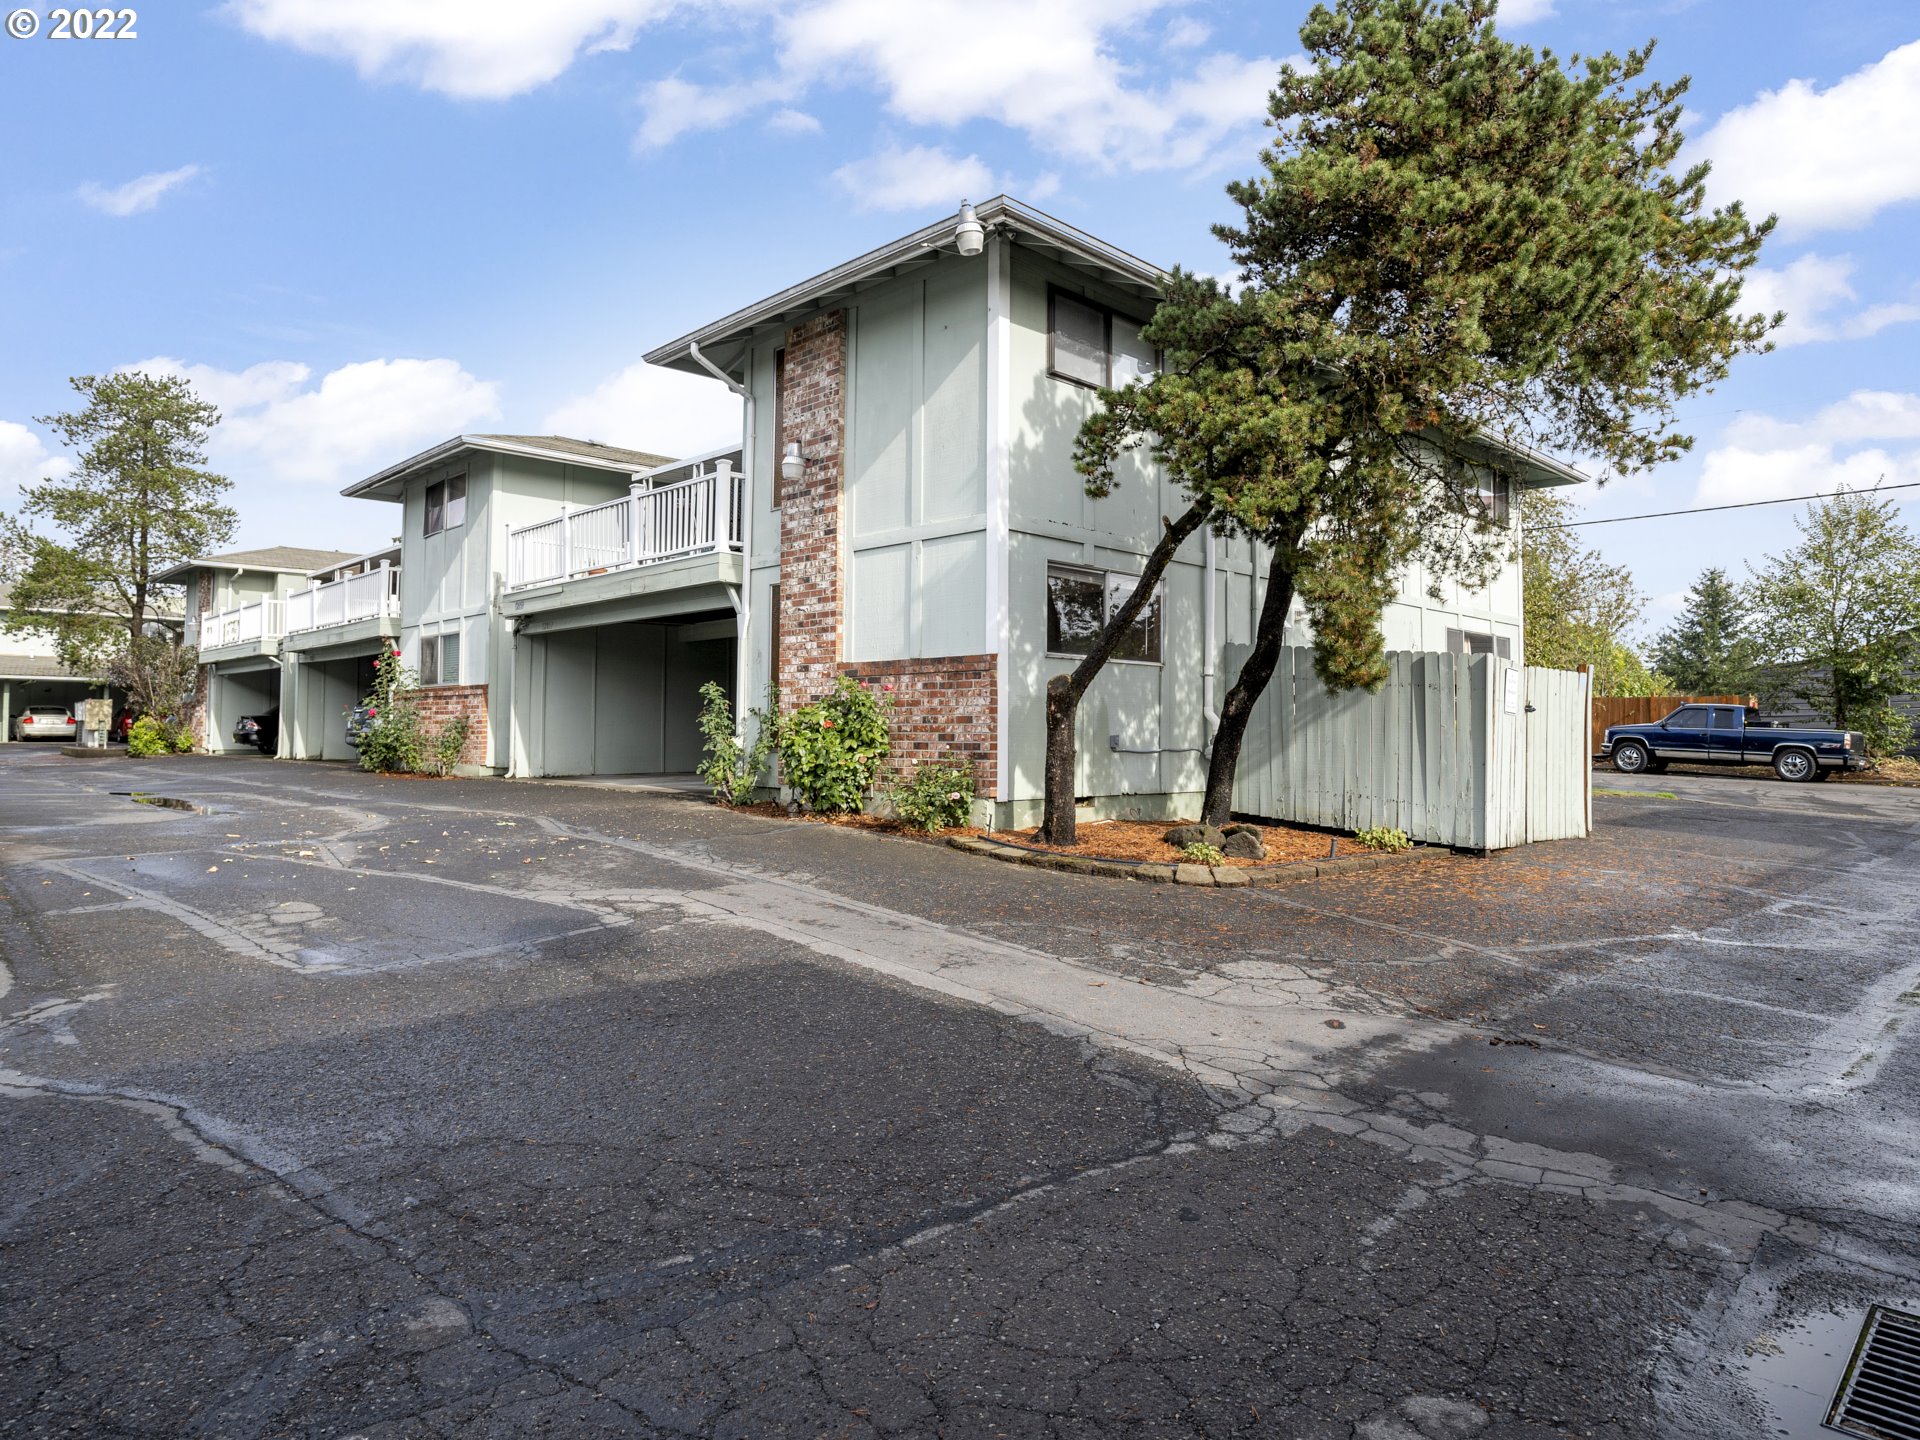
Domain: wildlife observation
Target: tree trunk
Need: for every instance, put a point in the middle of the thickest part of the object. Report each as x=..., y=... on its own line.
x=1248, y=687
x=1064, y=691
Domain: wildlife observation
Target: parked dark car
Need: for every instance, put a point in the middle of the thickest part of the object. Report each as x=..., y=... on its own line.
x=260, y=731
x=1732, y=735
x=359, y=721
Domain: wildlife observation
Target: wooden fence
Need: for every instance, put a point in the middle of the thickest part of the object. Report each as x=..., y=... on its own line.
x=1463, y=750
x=1647, y=710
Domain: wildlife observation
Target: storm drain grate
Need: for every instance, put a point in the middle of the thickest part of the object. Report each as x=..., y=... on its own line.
x=1880, y=1395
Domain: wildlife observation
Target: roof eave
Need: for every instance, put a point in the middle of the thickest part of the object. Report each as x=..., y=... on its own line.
x=385, y=485
x=1001, y=215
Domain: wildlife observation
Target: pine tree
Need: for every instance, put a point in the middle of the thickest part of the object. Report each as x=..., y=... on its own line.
x=1708, y=650
x=137, y=504
x=1450, y=237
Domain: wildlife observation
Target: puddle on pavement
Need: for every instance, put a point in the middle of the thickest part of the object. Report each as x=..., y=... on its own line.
x=1796, y=1368
x=165, y=802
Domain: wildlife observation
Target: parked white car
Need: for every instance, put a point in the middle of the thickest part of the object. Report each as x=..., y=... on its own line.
x=45, y=722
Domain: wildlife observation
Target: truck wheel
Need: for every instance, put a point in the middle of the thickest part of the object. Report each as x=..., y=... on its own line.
x=1795, y=765
x=1630, y=757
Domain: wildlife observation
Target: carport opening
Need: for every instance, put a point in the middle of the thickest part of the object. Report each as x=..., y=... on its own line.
x=233, y=694
x=624, y=699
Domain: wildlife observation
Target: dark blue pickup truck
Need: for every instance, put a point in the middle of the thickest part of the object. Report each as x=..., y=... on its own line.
x=1732, y=735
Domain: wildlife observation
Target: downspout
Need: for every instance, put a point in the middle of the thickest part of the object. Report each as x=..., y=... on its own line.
x=1210, y=638
x=742, y=602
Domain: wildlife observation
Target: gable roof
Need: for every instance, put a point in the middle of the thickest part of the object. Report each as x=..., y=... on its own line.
x=388, y=483
x=159, y=607
x=1002, y=215
x=281, y=559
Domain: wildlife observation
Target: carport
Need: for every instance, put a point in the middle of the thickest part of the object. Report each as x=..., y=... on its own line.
x=27, y=680
x=249, y=686
x=618, y=698
x=319, y=688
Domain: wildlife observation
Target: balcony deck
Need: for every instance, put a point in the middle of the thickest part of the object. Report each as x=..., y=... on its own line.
x=685, y=535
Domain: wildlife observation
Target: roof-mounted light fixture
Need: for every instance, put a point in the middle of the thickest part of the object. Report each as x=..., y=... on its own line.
x=969, y=236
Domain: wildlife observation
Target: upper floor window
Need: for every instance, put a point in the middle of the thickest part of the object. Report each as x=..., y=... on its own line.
x=446, y=505
x=1496, y=493
x=1089, y=344
x=1078, y=604
x=1479, y=642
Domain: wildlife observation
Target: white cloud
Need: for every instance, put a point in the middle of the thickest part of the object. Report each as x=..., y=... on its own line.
x=474, y=49
x=25, y=458
x=1824, y=159
x=1733, y=474
x=1524, y=12
x=913, y=179
x=277, y=426
x=135, y=196
x=1057, y=70
x=1051, y=70
x=646, y=407
x=793, y=122
x=1810, y=290
x=675, y=107
x=1765, y=458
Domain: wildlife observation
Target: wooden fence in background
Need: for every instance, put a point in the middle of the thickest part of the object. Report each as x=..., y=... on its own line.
x=1647, y=709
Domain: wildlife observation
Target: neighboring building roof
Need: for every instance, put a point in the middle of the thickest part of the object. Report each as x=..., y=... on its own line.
x=159, y=607
x=387, y=485
x=36, y=667
x=1001, y=215
x=280, y=559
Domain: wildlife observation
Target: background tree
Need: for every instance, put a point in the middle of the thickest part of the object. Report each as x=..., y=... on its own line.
x=1451, y=238
x=1578, y=609
x=1708, y=650
x=137, y=503
x=1841, y=611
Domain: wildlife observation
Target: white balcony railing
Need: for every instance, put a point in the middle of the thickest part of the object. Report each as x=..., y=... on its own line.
x=341, y=602
x=690, y=517
x=242, y=625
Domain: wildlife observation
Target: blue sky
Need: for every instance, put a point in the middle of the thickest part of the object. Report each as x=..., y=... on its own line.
x=364, y=225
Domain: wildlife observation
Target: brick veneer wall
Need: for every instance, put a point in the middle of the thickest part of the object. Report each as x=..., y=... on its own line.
x=813, y=412
x=943, y=706
x=440, y=704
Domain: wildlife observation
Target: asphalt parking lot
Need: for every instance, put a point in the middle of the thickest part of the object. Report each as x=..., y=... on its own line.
x=333, y=1105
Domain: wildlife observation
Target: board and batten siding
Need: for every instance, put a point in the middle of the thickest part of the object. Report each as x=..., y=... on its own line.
x=1469, y=751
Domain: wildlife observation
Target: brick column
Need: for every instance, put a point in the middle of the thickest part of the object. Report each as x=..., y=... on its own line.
x=811, y=585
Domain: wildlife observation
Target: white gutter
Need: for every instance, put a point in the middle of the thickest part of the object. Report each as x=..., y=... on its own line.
x=743, y=601
x=1210, y=638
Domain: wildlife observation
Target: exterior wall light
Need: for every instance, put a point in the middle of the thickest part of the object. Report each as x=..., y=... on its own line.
x=793, y=465
x=969, y=236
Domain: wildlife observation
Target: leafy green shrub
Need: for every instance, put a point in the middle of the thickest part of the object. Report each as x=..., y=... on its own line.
x=938, y=796
x=448, y=744
x=1201, y=853
x=1383, y=837
x=1886, y=731
x=397, y=741
x=831, y=750
x=148, y=737
x=731, y=769
x=178, y=736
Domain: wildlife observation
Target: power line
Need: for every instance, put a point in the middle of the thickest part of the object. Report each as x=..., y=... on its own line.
x=1743, y=505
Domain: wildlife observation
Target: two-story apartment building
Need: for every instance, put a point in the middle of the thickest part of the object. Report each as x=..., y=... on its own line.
x=236, y=618
x=914, y=517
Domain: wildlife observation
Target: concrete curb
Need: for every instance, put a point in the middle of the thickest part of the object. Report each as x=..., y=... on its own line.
x=93, y=752
x=1221, y=876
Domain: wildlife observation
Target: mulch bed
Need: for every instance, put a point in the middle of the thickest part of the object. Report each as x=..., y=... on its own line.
x=1144, y=840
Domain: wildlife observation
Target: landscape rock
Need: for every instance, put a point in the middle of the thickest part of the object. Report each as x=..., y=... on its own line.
x=1182, y=836
x=1243, y=842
